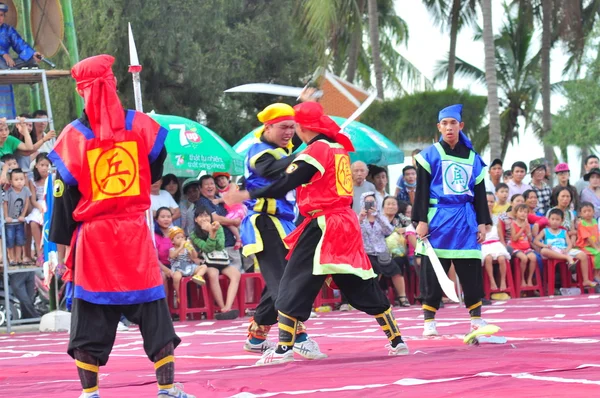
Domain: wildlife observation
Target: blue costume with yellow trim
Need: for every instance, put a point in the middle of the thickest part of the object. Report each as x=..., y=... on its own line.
x=281, y=211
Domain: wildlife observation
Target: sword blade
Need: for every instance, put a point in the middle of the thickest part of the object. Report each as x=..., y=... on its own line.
x=445, y=282
x=265, y=88
x=363, y=107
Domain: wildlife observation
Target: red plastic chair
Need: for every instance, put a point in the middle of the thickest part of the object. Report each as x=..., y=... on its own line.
x=412, y=285
x=517, y=279
x=198, y=303
x=258, y=284
x=550, y=274
x=326, y=297
x=510, y=283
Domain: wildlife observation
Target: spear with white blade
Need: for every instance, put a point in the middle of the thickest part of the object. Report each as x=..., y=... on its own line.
x=135, y=68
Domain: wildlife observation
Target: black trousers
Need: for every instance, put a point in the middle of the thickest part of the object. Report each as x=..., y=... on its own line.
x=272, y=263
x=94, y=327
x=468, y=271
x=22, y=286
x=299, y=287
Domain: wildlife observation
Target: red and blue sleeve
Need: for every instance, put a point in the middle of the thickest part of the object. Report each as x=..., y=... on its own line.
x=67, y=154
x=152, y=133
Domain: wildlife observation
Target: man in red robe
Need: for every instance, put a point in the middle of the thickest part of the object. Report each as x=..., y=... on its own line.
x=329, y=240
x=106, y=161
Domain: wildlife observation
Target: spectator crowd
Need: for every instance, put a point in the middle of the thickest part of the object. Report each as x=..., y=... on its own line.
x=197, y=235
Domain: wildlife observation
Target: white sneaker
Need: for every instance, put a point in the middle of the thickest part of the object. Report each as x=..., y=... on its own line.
x=121, y=327
x=345, y=307
x=400, y=349
x=259, y=348
x=429, y=329
x=309, y=349
x=477, y=323
x=270, y=357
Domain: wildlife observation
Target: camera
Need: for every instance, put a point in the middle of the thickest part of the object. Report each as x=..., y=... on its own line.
x=368, y=205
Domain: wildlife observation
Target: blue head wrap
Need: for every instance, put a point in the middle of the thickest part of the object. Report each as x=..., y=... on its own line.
x=455, y=112
x=3, y=7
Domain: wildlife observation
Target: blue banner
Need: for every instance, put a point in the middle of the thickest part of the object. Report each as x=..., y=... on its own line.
x=7, y=102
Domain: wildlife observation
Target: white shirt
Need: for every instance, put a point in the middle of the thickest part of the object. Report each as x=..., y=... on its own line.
x=163, y=199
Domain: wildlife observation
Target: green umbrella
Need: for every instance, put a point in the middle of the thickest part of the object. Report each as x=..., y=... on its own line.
x=192, y=148
x=371, y=146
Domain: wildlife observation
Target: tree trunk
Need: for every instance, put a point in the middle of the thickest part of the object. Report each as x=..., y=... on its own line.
x=491, y=80
x=355, y=43
x=375, y=52
x=545, y=54
x=454, y=16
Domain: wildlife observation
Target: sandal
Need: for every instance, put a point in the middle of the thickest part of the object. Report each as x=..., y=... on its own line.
x=403, y=301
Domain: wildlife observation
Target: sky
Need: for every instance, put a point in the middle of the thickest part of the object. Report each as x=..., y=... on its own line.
x=427, y=44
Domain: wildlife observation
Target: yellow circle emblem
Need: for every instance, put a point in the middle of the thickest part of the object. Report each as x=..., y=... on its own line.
x=58, y=188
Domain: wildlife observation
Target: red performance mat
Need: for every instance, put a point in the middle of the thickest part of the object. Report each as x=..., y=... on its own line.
x=553, y=350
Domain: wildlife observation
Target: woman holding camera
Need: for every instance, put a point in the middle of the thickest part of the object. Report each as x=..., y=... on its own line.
x=375, y=227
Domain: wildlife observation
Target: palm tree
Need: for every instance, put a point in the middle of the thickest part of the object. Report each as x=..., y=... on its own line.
x=547, y=9
x=338, y=30
x=454, y=16
x=492, y=82
x=518, y=72
x=375, y=51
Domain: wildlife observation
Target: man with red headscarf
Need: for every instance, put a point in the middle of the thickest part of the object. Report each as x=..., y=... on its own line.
x=329, y=241
x=106, y=161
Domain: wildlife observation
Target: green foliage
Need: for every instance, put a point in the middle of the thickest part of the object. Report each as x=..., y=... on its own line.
x=577, y=122
x=191, y=51
x=414, y=117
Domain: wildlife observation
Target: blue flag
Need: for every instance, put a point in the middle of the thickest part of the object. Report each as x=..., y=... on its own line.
x=49, y=247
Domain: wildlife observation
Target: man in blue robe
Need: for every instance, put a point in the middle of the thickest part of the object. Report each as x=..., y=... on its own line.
x=10, y=38
x=451, y=210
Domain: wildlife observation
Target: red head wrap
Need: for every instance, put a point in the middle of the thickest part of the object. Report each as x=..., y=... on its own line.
x=310, y=116
x=96, y=83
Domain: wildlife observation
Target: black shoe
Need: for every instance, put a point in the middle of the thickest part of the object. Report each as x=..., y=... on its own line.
x=232, y=314
x=485, y=301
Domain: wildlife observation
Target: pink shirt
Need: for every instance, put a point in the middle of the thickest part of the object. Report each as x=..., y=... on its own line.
x=163, y=244
x=514, y=189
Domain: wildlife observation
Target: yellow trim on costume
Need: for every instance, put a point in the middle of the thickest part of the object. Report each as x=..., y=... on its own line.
x=428, y=308
x=87, y=366
x=271, y=206
x=429, y=320
x=310, y=160
x=277, y=153
x=164, y=361
x=260, y=202
x=258, y=246
x=327, y=269
x=287, y=328
x=478, y=304
x=165, y=387
x=475, y=317
x=91, y=389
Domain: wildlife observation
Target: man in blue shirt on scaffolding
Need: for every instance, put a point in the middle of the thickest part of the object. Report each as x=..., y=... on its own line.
x=10, y=38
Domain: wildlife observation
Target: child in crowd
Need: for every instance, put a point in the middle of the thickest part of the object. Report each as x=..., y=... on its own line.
x=38, y=200
x=11, y=163
x=208, y=237
x=521, y=244
x=506, y=176
x=16, y=203
x=555, y=244
x=493, y=249
x=501, y=205
x=184, y=260
x=234, y=212
x=588, y=237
